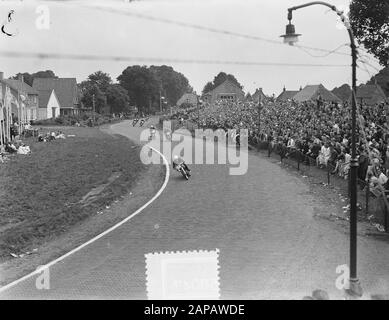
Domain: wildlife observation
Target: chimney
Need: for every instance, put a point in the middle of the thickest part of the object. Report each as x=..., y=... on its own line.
x=21, y=78
x=1, y=75
x=284, y=89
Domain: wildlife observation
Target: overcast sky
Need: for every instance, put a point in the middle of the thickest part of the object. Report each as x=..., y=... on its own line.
x=78, y=28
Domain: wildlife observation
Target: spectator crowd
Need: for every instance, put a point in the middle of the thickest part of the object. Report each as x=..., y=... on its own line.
x=315, y=131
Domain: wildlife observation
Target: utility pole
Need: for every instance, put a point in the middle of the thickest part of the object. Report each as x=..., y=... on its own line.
x=94, y=109
x=160, y=101
x=259, y=110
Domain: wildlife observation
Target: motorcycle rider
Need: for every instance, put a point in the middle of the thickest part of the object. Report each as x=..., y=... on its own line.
x=152, y=132
x=177, y=160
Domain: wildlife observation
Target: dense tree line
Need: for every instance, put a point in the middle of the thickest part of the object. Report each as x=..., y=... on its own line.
x=139, y=86
x=146, y=85
x=108, y=96
x=29, y=78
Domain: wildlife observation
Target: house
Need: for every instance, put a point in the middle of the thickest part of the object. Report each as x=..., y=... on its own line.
x=370, y=94
x=286, y=95
x=259, y=95
x=49, y=106
x=189, y=99
x=228, y=90
x=28, y=95
x=65, y=90
x=343, y=92
x=316, y=92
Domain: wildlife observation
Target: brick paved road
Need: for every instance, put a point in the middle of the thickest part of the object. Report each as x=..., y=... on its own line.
x=271, y=246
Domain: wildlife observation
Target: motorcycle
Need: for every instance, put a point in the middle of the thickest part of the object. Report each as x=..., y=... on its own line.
x=141, y=123
x=185, y=174
x=134, y=122
x=151, y=136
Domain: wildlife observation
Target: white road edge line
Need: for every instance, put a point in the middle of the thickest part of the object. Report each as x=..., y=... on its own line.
x=39, y=270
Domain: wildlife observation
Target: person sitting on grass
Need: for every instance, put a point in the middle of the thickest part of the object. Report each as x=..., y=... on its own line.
x=10, y=148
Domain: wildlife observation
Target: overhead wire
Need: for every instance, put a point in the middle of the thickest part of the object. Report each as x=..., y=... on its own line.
x=89, y=57
x=209, y=29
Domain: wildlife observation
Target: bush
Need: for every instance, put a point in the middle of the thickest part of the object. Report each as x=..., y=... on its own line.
x=85, y=119
x=59, y=120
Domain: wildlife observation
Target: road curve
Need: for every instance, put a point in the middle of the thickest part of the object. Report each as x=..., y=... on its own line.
x=271, y=245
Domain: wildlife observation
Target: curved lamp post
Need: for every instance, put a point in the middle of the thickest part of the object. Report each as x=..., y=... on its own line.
x=291, y=37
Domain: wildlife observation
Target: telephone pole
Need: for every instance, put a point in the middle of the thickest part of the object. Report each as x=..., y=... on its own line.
x=94, y=109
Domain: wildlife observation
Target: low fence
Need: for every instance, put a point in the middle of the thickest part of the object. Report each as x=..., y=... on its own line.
x=369, y=203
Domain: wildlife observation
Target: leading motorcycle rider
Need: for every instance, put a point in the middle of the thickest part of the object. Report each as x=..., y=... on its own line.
x=177, y=160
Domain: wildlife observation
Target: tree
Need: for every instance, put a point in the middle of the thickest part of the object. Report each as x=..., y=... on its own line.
x=117, y=98
x=142, y=87
x=219, y=79
x=382, y=79
x=88, y=90
x=370, y=23
x=172, y=83
x=208, y=87
x=101, y=79
x=106, y=93
x=44, y=74
x=29, y=78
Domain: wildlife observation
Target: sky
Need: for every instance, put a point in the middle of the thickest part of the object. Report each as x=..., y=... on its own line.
x=119, y=28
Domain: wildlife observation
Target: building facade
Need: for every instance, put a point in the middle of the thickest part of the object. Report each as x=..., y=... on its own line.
x=227, y=91
x=66, y=91
x=12, y=110
x=28, y=95
x=49, y=106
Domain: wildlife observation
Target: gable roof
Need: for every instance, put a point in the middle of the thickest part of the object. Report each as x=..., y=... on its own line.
x=287, y=95
x=227, y=86
x=258, y=93
x=312, y=92
x=188, y=97
x=20, y=86
x=65, y=89
x=343, y=92
x=371, y=93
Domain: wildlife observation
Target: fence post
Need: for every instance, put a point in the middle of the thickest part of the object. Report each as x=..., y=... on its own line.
x=367, y=198
x=269, y=147
x=298, y=160
x=328, y=174
x=386, y=214
x=281, y=154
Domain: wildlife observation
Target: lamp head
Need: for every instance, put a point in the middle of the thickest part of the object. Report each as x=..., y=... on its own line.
x=290, y=37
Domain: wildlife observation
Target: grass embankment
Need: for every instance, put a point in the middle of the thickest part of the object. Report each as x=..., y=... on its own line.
x=41, y=194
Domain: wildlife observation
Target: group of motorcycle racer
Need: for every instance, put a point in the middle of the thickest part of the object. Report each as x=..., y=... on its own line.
x=178, y=162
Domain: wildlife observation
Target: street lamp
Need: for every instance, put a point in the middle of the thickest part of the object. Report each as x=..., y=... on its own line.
x=291, y=37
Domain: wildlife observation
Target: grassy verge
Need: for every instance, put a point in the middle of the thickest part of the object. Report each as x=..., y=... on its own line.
x=40, y=193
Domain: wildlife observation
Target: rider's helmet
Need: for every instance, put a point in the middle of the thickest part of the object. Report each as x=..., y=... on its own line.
x=175, y=158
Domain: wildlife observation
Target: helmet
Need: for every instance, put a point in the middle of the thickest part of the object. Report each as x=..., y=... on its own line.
x=175, y=157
